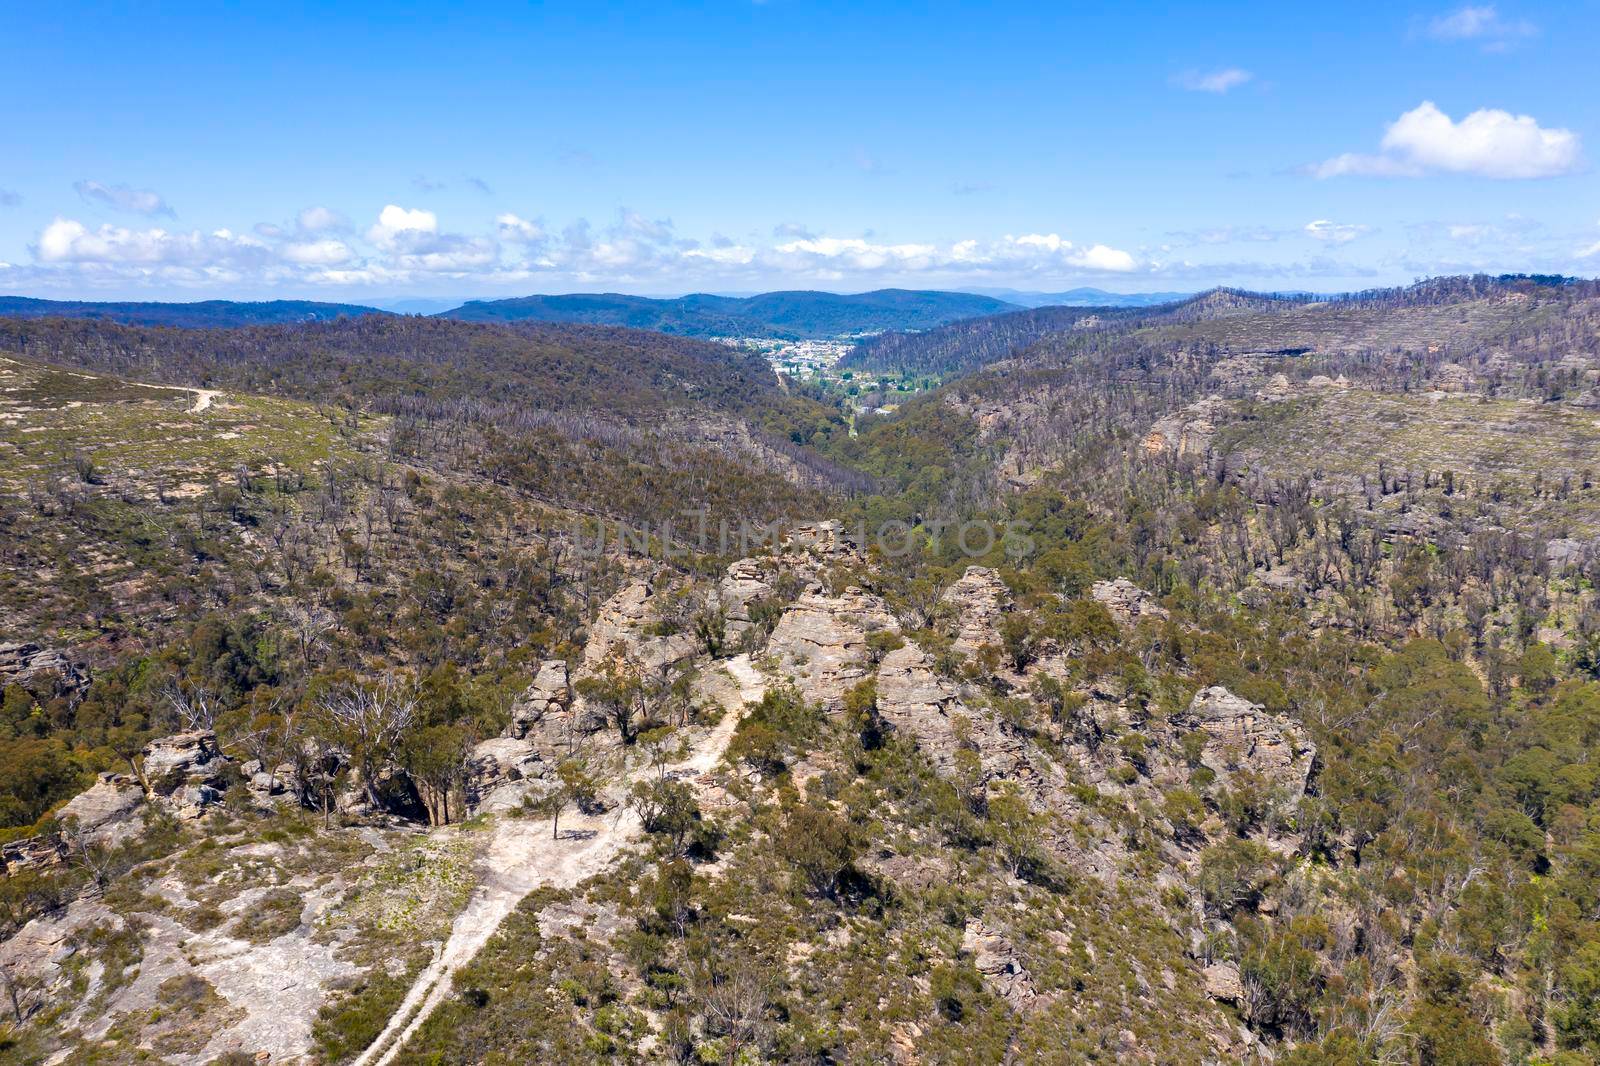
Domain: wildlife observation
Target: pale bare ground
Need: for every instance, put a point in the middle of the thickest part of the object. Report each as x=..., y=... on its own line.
x=203, y=398
x=523, y=855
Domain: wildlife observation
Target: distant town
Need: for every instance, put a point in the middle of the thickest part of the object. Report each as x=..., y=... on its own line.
x=815, y=362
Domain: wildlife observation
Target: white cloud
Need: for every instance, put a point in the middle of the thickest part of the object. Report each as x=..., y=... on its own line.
x=1482, y=23
x=1589, y=252
x=406, y=246
x=726, y=255
x=1030, y=252
x=1099, y=257
x=317, y=219
x=69, y=241
x=124, y=198
x=397, y=224
x=1489, y=143
x=1334, y=232
x=328, y=252
x=1215, y=81
x=513, y=228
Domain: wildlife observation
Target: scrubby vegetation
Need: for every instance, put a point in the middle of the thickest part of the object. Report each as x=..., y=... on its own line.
x=1367, y=523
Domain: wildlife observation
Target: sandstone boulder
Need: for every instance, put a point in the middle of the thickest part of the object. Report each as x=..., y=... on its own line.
x=105, y=814
x=501, y=772
x=821, y=641
x=1241, y=737
x=1222, y=982
x=1126, y=601
x=38, y=669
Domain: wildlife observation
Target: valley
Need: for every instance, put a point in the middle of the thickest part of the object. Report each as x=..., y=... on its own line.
x=1212, y=681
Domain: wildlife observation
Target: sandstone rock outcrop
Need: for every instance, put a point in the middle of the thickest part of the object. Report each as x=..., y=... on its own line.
x=542, y=714
x=29, y=665
x=915, y=700
x=746, y=582
x=1188, y=433
x=105, y=814
x=977, y=602
x=823, y=641
x=32, y=853
x=1276, y=389
x=1126, y=601
x=501, y=773
x=1242, y=737
x=624, y=627
x=186, y=770
x=998, y=963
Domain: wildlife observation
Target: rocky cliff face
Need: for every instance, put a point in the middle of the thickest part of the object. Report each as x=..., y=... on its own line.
x=1188, y=433
x=1127, y=602
x=1241, y=738
x=822, y=641
x=977, y=602
x=43, y=671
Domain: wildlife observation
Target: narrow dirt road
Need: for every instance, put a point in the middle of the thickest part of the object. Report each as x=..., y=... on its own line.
x=522, y=856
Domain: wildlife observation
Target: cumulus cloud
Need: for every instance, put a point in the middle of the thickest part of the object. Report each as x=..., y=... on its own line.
x=69, y=241
x=328, y=252
x=396, y=226
x=124, y=198
x=1334, y=232
x=1027, y=253
x=1481, y=23
x=1489, y=143
x=513, y=228
x=1214, y=81
x=318, y=219
x=408, y=245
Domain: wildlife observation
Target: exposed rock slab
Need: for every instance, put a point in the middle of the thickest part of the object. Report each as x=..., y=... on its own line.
x=977, y=602
x=1126, y=601
x=822, y=641
x=1242, y=737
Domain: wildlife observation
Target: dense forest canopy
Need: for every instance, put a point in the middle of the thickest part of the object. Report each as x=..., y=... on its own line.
x=772, y=314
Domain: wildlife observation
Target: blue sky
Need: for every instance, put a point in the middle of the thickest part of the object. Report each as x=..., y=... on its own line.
x=384, y=151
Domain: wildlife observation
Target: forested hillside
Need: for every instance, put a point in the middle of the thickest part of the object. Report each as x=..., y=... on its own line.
x=1214, y=683
x=772, y=314
x=204, y=313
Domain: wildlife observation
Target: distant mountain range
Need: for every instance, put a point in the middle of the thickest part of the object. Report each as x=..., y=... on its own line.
x=206, y=313
x=1084, y=297
x=793, y=315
